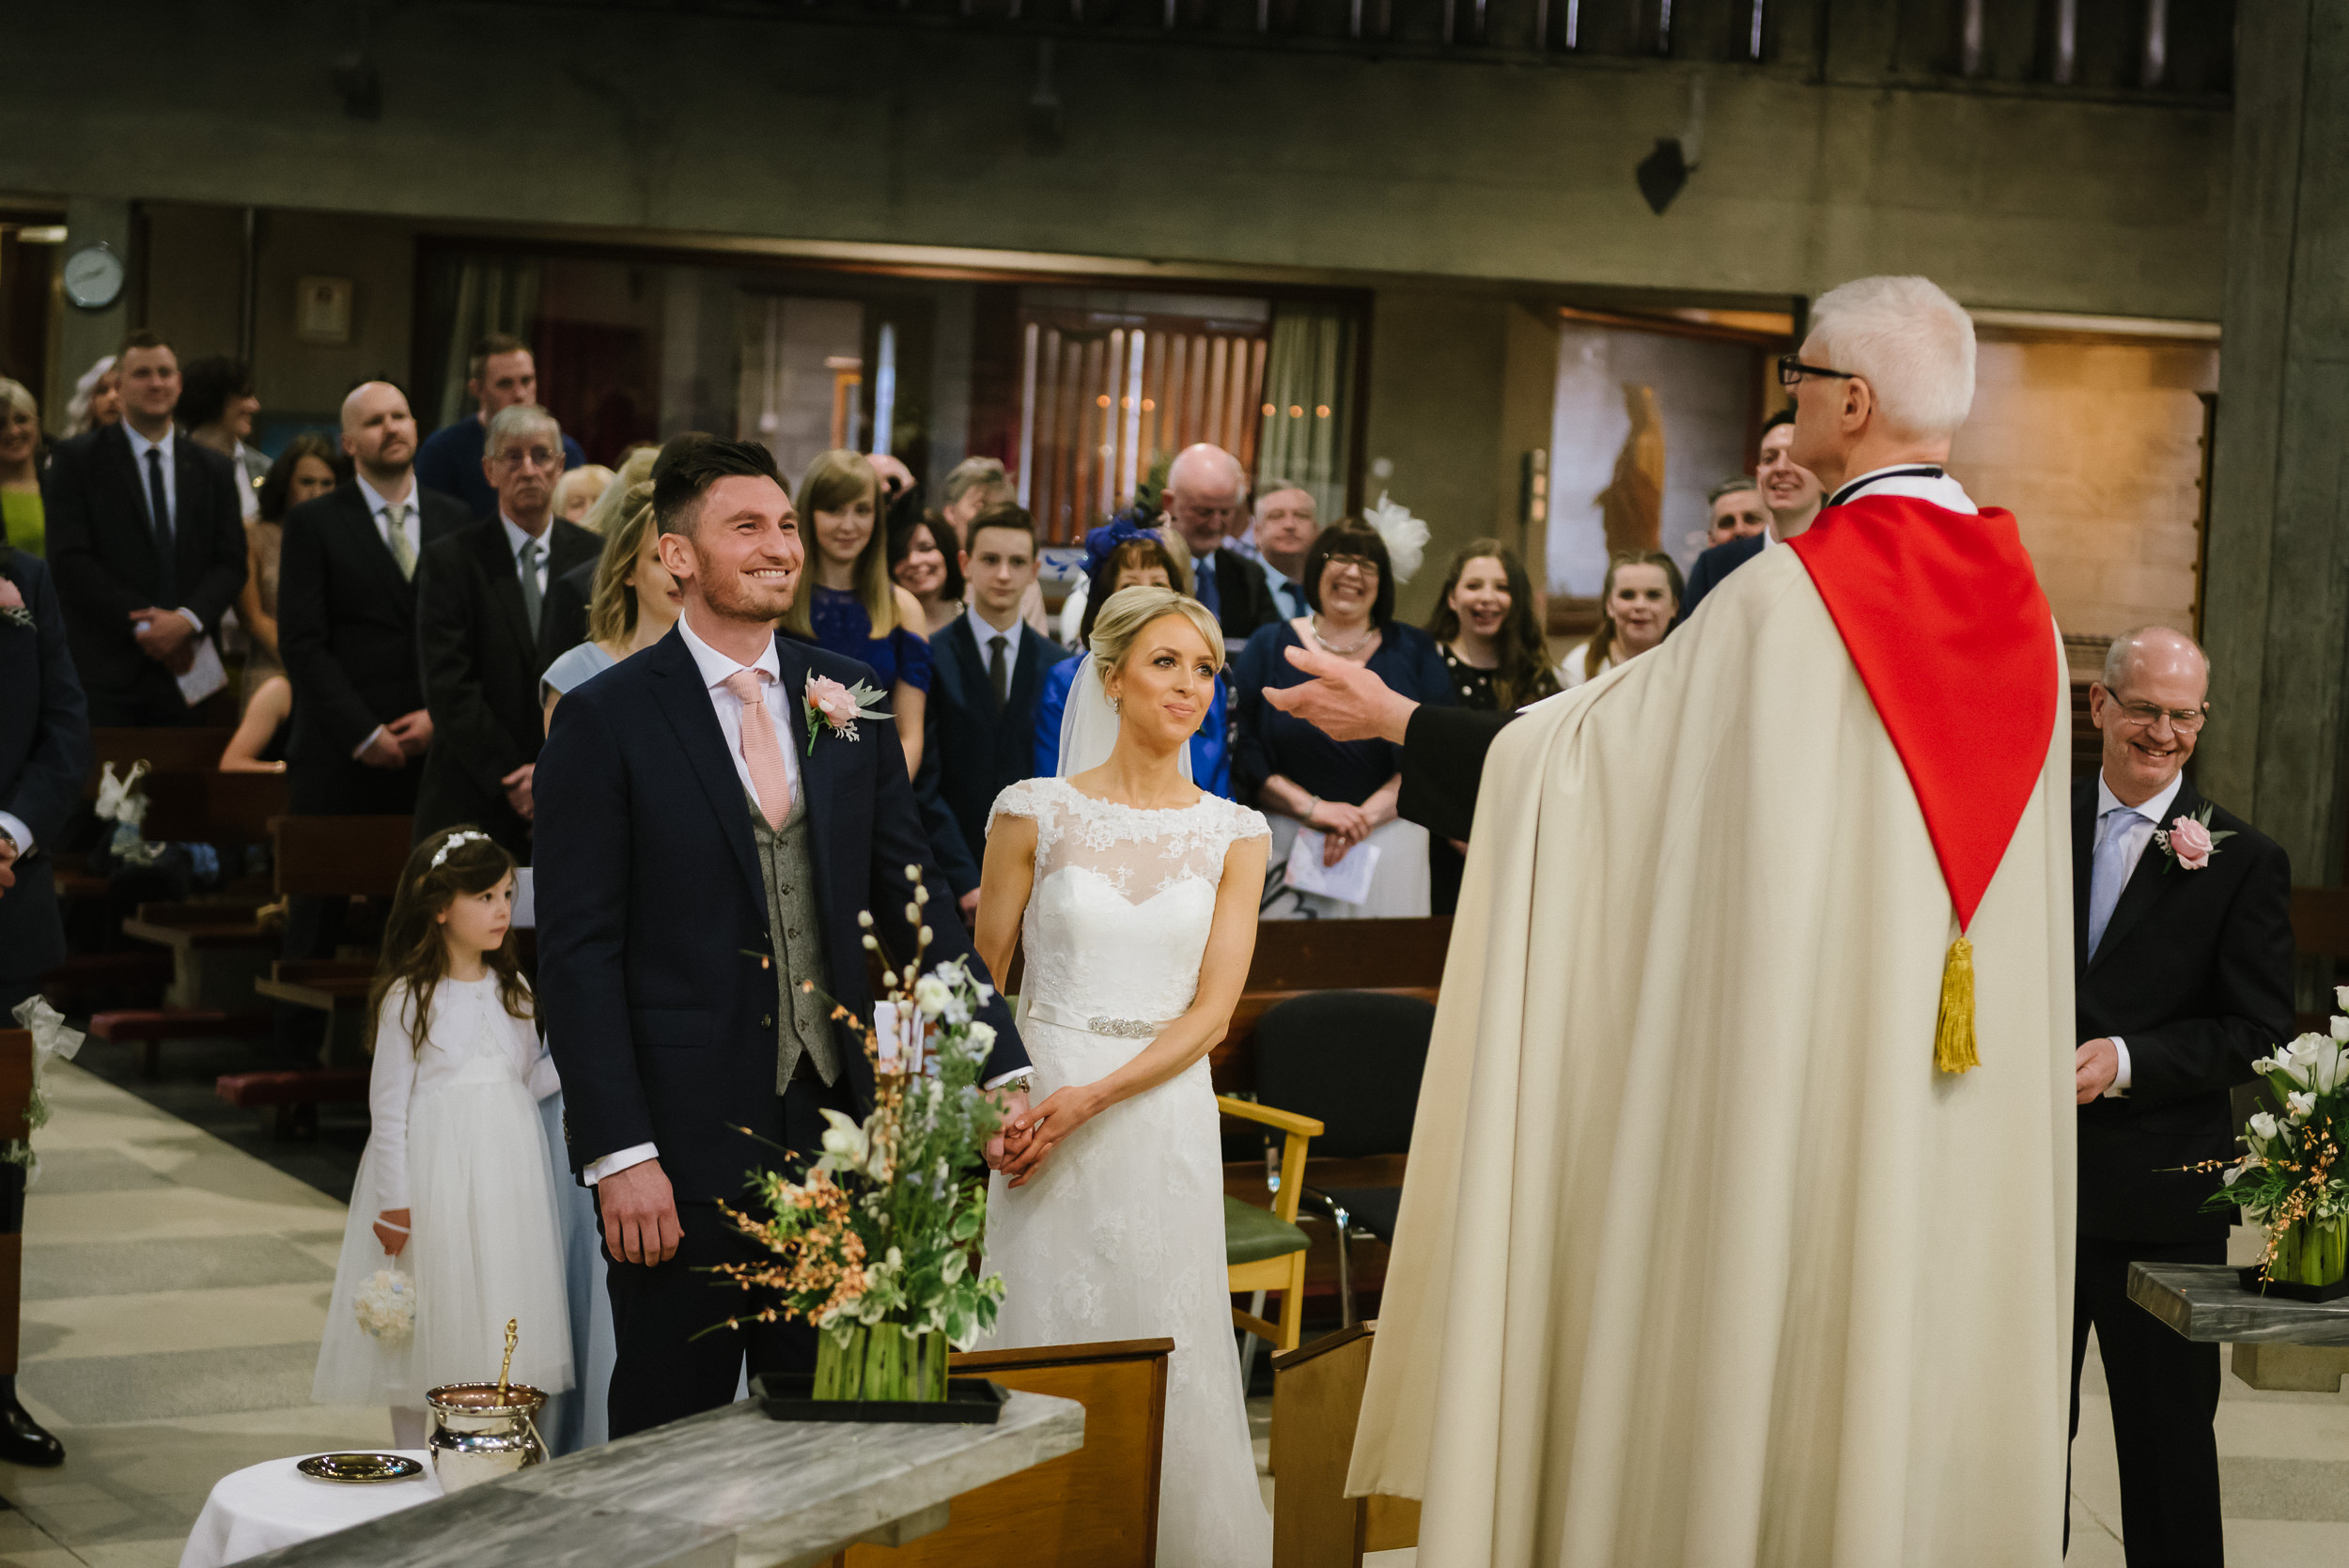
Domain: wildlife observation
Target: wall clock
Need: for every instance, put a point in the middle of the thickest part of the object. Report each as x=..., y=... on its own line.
x=93, y=278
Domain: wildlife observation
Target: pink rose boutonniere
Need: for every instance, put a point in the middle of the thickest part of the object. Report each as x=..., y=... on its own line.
x=12, y=609
x=2188, y=841
x=834, y=707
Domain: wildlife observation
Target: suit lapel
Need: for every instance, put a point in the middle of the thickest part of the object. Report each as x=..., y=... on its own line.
x=2149, y=883
x=685, y=704
x=505, y=585
x=366, y=541
x=2083, y=858
x=962, y=647
x=1026, y=677
x=190, y=506
x=117, y=457
x=819, y=766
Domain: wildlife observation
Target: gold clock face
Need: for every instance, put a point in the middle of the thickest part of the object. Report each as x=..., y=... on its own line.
x=93, y=278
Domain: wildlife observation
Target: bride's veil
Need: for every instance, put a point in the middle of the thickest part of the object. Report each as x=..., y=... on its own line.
x=1088, y=725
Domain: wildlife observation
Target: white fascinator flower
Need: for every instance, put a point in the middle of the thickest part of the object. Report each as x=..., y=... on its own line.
x=1406, y=536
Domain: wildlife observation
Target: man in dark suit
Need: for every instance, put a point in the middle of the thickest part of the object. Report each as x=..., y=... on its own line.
x=502, y=374
x=986, y=669
x=1206, y=494
x=479, y=594
x=44, y=761
x=2184, y=978
x=148, y=543
x=699, y=862
x=1790, y=494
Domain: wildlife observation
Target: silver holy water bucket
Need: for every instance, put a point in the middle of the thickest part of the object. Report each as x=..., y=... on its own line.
x=477, y=1436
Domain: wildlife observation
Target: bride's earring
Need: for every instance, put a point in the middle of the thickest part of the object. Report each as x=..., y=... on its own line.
x=1117, y=704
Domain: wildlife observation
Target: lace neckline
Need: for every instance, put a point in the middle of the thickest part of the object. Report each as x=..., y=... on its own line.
x=1094, y=802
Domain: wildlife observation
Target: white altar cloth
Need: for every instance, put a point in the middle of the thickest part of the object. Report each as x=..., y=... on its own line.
x=264, y=1507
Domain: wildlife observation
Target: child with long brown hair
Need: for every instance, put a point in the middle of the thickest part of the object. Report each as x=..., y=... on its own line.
x=454, y=1188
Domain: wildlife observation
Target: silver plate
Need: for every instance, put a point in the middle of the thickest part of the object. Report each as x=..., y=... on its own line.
x=360, y=1469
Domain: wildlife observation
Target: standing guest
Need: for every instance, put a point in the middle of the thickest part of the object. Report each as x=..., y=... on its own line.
x=577, y=492
x=986, y=669
x=20, y=516
x=304, y=472
x=971, y=486
x=1494, y=651
x=216, y=409
x=148, y=540
x=1636, y=605
x=2183, y=977
x=1284, y=528
x=44, y=761
x=1344, y=791
x=97, y=399
x=632, y=606
x=501, y=375
x=562, y=620
x=1206, y=487
x=928, y=567
x=478, y=594
x=1790, y=493
x=852, y=607
x=1734, y=511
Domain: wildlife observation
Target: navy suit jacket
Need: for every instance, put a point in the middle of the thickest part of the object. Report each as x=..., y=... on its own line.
x=1713, y=564
x=970, y=751
x=44, y=761
x=652, y=914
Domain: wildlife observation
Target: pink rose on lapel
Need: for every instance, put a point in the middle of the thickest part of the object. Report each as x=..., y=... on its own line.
x=12, y=604
x=834, y=707
x=2190, y=842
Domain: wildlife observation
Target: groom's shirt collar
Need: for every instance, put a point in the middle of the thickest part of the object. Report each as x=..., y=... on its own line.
x=715, y=666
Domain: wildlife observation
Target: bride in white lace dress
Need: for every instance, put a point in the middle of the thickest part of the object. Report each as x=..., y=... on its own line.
x=1135, y=894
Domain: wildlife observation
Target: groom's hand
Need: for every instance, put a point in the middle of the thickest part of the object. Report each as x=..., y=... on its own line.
x=1007, y=1140
x=639, y=1211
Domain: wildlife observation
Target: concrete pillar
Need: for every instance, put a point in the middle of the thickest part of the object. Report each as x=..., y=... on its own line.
x=2276, y=599
x=86, y=337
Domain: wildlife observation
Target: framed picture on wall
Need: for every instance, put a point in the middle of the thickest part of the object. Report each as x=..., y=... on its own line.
x=322, y=310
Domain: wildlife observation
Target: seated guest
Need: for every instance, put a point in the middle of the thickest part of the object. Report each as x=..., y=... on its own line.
x=1494, y=653
x=1736, y=511
x=577, y=492
x=1636, y=606
x=1122, y=556
x=986, y=668
x=478, y=594
x=260, y=744
x=928, y=568
x=562, y=620
x=1284, y=531
x=21, y=523
x=97, y=399
x=147, y=537
x=216, y=409
x=852, y=608
x=304, y=472
x=1301, y=778
x=1790, y=493
x=502, y=374
x=634, y=604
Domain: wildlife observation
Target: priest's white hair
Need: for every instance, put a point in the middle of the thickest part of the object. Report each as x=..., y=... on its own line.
x=1913, y=343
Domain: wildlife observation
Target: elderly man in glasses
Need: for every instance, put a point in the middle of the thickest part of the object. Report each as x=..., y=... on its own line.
x=2183, y=955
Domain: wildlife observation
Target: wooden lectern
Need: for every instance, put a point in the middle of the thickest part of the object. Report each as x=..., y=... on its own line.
x=1317, y=1400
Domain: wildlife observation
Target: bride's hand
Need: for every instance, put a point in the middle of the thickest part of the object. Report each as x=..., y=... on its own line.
x=1006, y=1142
x=1063, y=1112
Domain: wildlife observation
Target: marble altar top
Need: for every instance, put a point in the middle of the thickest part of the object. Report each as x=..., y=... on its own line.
x=2205, y=1301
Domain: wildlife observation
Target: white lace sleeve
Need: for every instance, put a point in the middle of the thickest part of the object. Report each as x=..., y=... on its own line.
x=1028, y=798
x=1247, y=824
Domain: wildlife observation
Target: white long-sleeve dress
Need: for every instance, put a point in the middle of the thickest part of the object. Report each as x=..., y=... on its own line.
x=457, y=1141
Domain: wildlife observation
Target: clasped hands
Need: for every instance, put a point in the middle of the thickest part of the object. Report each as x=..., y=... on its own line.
x=164, y=636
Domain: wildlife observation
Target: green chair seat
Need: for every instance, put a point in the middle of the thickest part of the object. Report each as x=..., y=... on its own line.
x=1251, y=1235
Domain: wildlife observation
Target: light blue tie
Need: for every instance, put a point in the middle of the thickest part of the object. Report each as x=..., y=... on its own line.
x=2109, y=873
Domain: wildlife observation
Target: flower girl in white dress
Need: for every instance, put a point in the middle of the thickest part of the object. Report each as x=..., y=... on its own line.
x=453, y=1190
x=1135, y=894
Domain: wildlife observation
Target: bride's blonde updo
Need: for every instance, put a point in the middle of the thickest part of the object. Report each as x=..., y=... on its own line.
x=1129, y=610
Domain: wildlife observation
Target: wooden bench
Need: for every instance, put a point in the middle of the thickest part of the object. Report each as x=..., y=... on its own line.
x=148, y=1028
x=327, y=985
x=87, y=978
x=292, y=1098
x=188, y=749
x=1316, y=1403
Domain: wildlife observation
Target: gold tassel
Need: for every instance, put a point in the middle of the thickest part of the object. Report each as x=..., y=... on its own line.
x=1953, y=1033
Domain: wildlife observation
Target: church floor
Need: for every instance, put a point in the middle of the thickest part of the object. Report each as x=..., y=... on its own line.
x=174, y=1288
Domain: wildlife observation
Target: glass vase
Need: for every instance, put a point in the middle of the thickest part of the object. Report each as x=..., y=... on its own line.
x=2311, y=1252
x=887, y=1361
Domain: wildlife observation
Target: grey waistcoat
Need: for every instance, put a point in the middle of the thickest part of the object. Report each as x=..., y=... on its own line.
x=795, y=931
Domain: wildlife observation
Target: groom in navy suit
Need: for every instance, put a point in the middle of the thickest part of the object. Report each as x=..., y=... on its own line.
x=698, y=857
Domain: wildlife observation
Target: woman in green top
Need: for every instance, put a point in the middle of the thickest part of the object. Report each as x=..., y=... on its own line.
x=23, y=523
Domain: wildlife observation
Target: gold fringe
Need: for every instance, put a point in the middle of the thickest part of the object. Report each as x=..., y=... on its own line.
x=1953, y=1033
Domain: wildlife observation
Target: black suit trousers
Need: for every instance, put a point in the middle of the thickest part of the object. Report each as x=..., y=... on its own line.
x=665, y=1368
x=2165, y=1395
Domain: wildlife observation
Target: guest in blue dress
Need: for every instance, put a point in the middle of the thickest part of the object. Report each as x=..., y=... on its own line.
x=848, y=603
x=1124, y=556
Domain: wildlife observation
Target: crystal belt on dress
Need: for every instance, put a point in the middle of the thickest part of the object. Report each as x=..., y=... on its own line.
x=1120, y=1029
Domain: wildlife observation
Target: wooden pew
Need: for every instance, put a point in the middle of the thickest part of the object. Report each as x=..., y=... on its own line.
x=1096, y=1508
x=190, y=749
x=1317, y=1402
x=1294, y=957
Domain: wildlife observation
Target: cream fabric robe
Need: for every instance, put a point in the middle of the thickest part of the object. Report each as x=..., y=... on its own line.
x=1700, y=1262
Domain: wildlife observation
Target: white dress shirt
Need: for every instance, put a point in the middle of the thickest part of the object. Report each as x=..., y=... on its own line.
x=165, y=448
x=1924, y=481
x=985, y=631
x=411, y=527
x=516, y=537
x=2138, y=823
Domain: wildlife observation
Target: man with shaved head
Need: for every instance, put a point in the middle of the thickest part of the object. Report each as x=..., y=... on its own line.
x=2183, y=958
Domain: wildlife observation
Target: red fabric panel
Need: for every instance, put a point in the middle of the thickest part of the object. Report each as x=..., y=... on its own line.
x=1942, y=614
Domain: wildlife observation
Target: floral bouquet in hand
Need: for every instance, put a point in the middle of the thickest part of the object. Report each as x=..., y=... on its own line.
x=2290, y=1180
x=877, y=1245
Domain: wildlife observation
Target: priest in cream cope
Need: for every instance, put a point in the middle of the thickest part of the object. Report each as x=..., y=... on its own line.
x=1738, y=1227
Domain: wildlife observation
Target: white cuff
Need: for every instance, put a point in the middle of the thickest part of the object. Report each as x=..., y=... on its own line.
x=2121, y=1076
x=1018, y=1075
x=193, y=618
x=14, y=827
x=613, y=1164
x=361, y=749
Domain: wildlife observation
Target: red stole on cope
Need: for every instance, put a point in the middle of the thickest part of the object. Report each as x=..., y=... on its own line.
x=1942, y=615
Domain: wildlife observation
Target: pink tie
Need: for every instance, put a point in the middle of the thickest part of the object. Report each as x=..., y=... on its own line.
x=769, y=775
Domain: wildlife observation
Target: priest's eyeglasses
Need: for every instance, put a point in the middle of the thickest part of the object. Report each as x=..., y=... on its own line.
x=1792, y=370
x=2186, y=720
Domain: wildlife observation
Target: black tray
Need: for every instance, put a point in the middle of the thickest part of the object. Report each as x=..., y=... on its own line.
x=2289, y=1291
x=791, y=1397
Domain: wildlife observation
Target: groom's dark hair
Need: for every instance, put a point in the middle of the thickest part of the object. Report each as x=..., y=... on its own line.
x=688, y=465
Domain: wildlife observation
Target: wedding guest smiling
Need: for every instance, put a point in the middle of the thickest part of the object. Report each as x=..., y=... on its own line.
x=852, y=607
x=925, y=566
x=1285, y=524
x=1636, y=604
x=21, y=521
x=635, y=604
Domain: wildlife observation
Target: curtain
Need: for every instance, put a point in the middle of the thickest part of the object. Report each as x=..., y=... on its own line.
x=1307, y=438
x=492, y=295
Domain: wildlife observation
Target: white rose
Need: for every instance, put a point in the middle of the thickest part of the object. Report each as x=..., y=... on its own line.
x=982, y=1037
x=2341, y=995
x=2300, y=1105
x=931, y=995
x=2341, y=1029
x=2263, y=1126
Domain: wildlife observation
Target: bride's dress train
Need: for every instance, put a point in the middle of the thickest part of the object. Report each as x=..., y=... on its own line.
x=1120, y=1235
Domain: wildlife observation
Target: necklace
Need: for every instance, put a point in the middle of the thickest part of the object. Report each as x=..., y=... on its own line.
x=1355, y=646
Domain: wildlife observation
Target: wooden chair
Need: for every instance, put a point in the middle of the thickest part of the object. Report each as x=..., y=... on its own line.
x=1316, y=1403
x=1262, y=1249
x=1096, y=1508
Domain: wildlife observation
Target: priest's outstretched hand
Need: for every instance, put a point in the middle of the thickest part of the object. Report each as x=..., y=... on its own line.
x=1345, y=701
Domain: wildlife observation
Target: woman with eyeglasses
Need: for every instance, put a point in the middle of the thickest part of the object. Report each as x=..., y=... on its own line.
x=1343, y=792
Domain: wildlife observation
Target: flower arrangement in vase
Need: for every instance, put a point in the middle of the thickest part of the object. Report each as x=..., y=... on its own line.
x=875, y=1245
x=2290, y=1179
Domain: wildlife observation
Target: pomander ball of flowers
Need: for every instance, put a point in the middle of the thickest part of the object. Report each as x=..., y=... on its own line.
x=386, y=1306
x=878, y=1244
x=2290, y=1178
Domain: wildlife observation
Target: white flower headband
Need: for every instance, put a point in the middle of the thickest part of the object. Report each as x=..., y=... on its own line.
x=468, y=836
